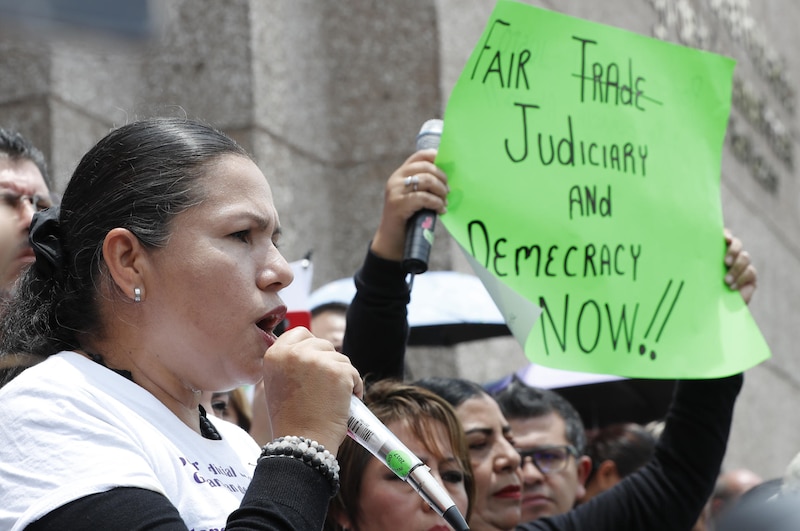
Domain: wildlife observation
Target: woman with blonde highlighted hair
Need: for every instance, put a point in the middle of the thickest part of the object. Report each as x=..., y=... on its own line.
x=372, y=497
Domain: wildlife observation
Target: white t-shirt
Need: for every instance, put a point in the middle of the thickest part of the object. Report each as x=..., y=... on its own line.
x=70, y=427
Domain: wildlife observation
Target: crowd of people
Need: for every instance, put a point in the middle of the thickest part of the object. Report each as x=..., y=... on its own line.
x=139, y=305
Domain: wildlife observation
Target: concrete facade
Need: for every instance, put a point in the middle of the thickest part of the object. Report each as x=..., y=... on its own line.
x=328, y=96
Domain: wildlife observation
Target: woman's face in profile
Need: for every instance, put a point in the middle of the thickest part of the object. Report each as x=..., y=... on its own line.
x=387, y=502
x=212, y=291
x=495, y=465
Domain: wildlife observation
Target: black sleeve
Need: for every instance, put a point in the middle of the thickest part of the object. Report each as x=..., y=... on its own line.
x=285, y=494
x=298, y=499
x=127, y=508
x=670, y=491
x=377, y=320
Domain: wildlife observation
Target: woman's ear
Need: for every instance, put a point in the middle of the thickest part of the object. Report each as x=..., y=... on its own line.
x=125, y=257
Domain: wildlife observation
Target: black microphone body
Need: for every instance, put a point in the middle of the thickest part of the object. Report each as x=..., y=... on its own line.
x=419, y=231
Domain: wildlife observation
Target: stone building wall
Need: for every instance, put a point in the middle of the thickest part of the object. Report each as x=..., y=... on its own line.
x=328, y=96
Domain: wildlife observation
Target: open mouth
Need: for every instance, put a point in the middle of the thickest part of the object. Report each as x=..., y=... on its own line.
x=270, y=321
x=267, y=325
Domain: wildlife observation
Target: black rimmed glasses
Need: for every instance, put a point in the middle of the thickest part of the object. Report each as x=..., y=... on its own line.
x=15, y=200
x=548, y=459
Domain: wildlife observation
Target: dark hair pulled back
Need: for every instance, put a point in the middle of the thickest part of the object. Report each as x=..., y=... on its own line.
x=138, y=177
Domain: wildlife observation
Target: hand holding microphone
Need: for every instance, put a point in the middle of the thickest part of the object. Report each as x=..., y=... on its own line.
x=417, y=185
x=419, y=235
x=307, y=387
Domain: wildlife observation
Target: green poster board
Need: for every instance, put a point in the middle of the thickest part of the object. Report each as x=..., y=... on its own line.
x=584, y=168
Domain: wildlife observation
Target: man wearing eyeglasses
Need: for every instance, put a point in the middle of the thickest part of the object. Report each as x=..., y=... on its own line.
x=550, y=437
x=24, y=189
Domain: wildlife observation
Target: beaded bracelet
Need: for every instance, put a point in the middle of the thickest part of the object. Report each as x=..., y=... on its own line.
x=310, y=452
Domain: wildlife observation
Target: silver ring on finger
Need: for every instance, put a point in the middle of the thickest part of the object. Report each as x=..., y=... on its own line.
x=413, y=181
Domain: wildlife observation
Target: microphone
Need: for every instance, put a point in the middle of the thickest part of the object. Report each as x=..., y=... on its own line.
x=419, y=231
x=365, y=428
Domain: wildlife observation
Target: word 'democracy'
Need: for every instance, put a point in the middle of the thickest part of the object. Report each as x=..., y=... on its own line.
x=504, y=258
x=583, y=163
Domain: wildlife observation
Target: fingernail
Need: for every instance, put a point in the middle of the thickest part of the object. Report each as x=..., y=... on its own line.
x=728, y=259
x=729, y=280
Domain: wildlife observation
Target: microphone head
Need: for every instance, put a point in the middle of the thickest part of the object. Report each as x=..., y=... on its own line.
x=430, y=134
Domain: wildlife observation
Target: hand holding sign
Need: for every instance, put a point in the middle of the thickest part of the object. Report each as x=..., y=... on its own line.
x=741, y=273
x=584, y=164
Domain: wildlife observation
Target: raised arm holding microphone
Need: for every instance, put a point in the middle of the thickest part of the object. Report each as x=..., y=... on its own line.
x=382, y=292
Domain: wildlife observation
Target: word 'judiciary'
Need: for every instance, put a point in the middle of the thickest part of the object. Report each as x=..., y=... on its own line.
x=586, y=260
x=626, y=157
